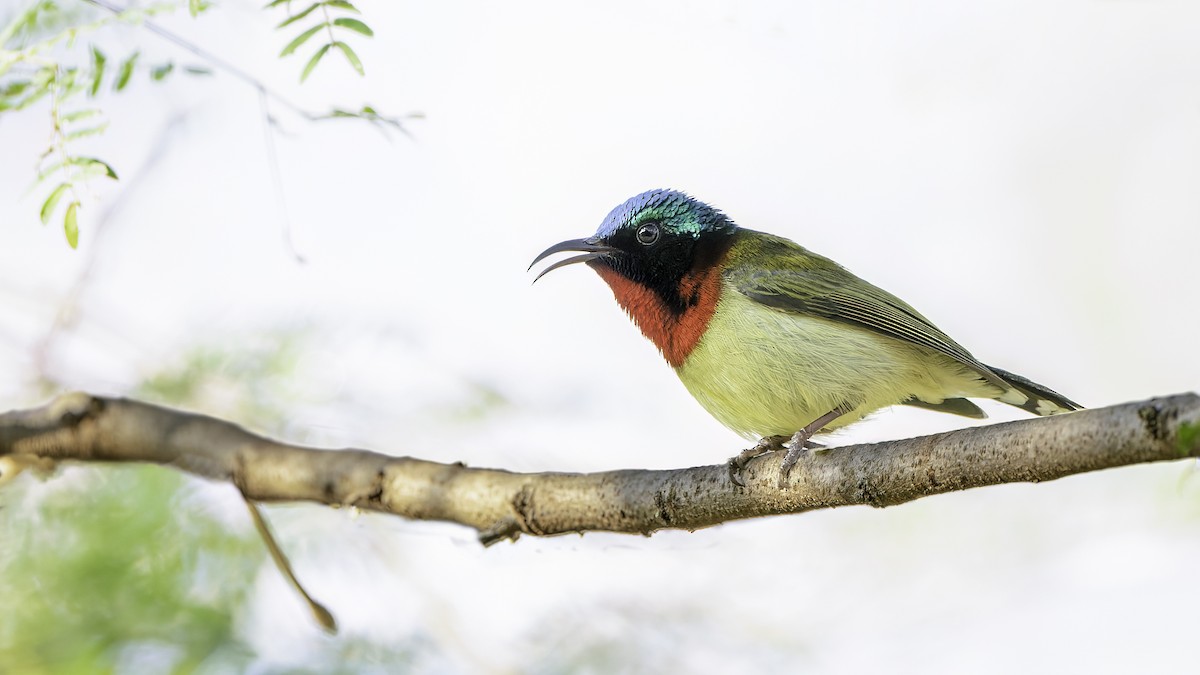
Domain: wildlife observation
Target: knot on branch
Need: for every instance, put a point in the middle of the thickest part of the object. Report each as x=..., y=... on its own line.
x=73, y=408
x=1156, y=420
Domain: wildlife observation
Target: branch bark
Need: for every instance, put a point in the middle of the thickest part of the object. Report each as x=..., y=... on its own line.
x=501, y=504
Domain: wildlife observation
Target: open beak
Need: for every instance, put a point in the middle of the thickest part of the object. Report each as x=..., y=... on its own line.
x=592, y=247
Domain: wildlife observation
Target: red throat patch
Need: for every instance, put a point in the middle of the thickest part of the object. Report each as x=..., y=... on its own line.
x=675, y=336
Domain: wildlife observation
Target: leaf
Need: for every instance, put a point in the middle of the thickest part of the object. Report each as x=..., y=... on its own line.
x=300, y=39
x=197, y=70
x=84, y=133
x=14, y=88
x=125, y=72
x=159, y=72
x=296, y=17
x=80, y=114
x=71, y=225
x=312, y=63
x=52, y=201
x=30, y=99
x=275, y=3
x=98, y=61
x=354, y=25
x=45, y=76
x=350, y=56
x=341, y=4
x=197, y=6
x=67, y=84
x=9, y=94
x=46, y=171
x=86, y=162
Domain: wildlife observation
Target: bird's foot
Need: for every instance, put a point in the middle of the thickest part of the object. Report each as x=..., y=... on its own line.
x=799, y=443
x=737, y=465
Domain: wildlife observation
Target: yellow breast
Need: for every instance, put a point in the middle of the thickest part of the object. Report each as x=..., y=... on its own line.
x=765, y=372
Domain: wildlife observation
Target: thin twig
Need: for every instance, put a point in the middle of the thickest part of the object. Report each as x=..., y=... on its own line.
x=277, y=177
x=319, y=612
x=211, y=58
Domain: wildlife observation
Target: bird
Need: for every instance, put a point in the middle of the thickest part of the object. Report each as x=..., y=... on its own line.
x=776, y=342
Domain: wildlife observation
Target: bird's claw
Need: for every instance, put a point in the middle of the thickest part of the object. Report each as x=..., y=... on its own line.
x=738, y=464
x=800, y=442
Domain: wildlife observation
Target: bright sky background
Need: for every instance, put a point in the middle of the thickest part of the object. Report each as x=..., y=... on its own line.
x=1024, y=173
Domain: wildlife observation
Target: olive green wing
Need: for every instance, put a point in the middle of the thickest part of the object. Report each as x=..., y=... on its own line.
x=781, y=274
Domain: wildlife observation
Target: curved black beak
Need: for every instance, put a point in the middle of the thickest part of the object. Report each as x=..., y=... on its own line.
x=592, y=246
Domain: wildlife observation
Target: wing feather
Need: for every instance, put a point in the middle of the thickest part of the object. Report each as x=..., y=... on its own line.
x=788, y=277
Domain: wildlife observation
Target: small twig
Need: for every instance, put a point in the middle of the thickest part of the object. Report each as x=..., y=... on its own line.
x=277, y=177
x=328, y=24
x=319, y=612
x=211, y=58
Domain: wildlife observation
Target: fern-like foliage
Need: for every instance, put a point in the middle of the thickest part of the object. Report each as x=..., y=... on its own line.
x=43, y=59
x=331, y=22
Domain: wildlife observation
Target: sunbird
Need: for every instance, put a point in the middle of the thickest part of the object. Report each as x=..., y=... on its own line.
x=776, y=342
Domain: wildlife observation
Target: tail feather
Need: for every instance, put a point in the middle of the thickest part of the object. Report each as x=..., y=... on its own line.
x=1033, y=397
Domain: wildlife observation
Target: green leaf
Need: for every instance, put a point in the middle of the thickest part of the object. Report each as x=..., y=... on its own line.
x=71, y=225
x=84, y=133
x=159, y=72
x=341, y=4
x=197, y=70
x=350, y=56
x=80, y=114
x=9, y=94
x=48, y=170
x=14, y=88
x=45, y=76
x=296, y=17
x=300, y=39
x=52, y=201
x=197, y=6
x=67, y=84
x=98, y=61
x=312, y=63
x=275, y=3
x=86, y=162
x=30, y=99
x=125, y=72
x=354, y=25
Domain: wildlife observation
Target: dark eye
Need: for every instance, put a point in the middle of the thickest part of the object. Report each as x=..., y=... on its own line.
x=647, y=234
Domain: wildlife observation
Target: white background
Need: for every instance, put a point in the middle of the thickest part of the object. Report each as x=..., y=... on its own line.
x=1024, y=173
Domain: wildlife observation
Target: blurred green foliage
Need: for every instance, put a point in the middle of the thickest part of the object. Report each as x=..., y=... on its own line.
x=108, y=567
x=251, y=384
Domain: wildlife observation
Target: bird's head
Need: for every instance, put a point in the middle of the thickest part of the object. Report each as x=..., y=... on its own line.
x=662, y=254
x=654, y=239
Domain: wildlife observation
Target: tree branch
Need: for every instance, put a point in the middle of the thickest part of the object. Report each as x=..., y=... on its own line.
x=501, y=504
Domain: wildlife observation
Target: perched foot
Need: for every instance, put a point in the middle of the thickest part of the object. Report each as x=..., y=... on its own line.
x=799, y=444
x=738, y=464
